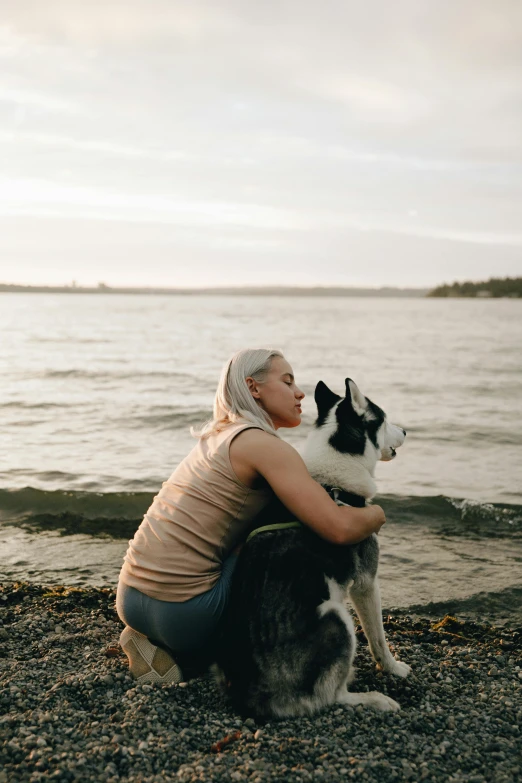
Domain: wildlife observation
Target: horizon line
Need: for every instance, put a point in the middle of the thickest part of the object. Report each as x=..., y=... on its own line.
x=105, y=288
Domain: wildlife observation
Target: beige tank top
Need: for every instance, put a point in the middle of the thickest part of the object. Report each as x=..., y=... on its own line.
x=197, y=518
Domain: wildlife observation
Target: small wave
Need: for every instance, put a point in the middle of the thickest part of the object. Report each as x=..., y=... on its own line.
x=69, y=374
x=26, y=423
x=469, y=438
x=169, y=418
x=118, y=514
x=113, y=375
x=455, y=517
x=34, y=406
x=69, y=340
x=42, y=475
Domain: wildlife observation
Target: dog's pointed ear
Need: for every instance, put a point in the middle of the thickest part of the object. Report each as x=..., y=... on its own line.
x=356, y=397
x=324, y=397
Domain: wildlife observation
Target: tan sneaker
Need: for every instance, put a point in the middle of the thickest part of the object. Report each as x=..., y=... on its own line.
x=148, y=663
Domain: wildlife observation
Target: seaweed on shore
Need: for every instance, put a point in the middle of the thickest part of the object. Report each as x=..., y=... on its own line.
x=456, y=630
x=59, y=598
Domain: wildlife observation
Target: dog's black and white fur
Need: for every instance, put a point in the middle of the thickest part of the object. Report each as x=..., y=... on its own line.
x=289, y=642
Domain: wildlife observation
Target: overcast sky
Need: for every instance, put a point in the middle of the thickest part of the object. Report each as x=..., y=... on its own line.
x=157, y=142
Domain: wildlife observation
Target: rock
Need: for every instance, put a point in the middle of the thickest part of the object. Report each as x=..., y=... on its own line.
x=106, y=679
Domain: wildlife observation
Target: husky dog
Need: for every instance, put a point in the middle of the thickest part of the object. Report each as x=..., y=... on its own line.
x=288, y=641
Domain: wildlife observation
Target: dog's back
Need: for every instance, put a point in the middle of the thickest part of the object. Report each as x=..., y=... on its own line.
x=286, y=643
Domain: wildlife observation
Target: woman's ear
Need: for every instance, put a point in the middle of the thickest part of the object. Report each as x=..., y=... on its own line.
x=252, y=388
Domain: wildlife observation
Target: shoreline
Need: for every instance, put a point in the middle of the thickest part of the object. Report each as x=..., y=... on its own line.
x=71, y=712
x=261, y=290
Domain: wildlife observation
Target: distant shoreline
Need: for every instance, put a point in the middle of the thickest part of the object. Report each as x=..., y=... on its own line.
x=230, y=291
x=495, y=288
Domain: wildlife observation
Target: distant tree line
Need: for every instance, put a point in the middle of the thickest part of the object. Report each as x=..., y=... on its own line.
x=495, y=287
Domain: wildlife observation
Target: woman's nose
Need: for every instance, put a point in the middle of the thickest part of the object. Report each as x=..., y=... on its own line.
x=300, y=394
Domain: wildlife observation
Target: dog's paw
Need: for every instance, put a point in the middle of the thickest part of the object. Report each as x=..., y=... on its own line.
x=378, y=701
x=374, y=699
x=398, y=668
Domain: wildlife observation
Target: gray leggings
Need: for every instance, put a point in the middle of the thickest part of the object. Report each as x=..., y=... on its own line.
x=183, y=627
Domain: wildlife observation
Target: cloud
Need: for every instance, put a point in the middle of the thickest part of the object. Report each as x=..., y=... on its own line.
x=470, y=237
x=294, y=126
x=38, y=100
x=38, y=198
x=87, y=145
x=43, y=198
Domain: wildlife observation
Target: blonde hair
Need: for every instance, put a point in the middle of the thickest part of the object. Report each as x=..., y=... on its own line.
x=233, y=401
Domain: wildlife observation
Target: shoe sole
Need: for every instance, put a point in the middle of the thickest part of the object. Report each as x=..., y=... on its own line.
x=146, y=650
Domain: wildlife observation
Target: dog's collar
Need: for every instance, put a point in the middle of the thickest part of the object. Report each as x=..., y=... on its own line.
x=343, y=498
x=278, y=526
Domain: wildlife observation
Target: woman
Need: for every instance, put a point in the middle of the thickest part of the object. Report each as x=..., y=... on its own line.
x=175, y=580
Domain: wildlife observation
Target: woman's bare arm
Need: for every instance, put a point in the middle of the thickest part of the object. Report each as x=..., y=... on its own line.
x=285, y=471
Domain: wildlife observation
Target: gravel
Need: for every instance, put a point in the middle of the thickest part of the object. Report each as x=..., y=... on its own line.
x=69, y=710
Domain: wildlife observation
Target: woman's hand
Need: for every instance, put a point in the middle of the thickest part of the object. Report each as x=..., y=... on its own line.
x=362, y=522
x=285, y=471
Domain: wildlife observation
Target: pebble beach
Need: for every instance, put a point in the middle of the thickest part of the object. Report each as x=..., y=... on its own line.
x=70, y=711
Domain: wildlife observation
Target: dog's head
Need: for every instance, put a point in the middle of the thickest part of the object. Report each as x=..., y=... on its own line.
x=355, y=423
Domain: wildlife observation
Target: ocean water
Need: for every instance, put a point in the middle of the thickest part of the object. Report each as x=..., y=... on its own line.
x=97, y=394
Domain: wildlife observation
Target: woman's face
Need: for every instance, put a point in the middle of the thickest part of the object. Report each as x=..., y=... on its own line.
x=278, y=395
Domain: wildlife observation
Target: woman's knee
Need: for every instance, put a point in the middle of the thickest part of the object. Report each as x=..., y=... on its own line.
x=129, y=606
x=120, y=602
